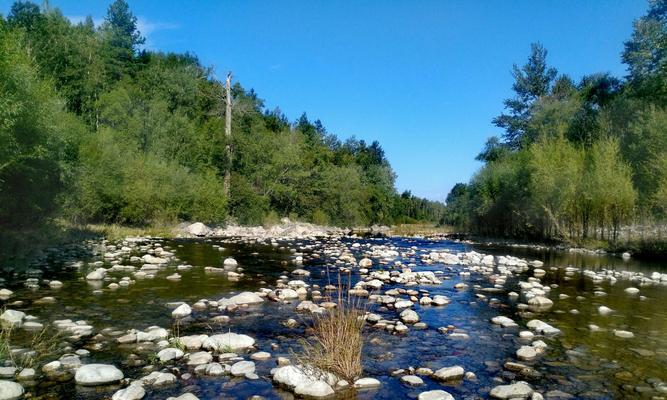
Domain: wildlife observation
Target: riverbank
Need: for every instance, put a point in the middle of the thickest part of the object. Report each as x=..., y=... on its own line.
x=19, y=247
x=649, y=248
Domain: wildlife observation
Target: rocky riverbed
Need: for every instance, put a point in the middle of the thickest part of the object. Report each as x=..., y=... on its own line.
x=222, y=314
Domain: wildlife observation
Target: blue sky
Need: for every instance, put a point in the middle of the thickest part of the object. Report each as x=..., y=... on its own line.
x=424, y=78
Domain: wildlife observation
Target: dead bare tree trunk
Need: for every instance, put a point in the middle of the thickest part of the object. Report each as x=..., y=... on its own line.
x=228, y=134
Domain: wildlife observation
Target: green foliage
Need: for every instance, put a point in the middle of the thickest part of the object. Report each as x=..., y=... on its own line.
x=98, y=130
x=37, y=138
x=645, y=51
x=119, y=183
x=577, y=160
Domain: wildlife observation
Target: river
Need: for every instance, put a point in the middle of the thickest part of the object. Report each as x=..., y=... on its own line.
x=581, y=361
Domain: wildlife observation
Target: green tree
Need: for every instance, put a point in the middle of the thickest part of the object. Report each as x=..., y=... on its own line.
x=121, y=38
x=555, y=176
x=531, y=81
x=645, y=52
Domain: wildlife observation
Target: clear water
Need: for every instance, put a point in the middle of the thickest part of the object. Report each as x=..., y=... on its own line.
x=580, y=362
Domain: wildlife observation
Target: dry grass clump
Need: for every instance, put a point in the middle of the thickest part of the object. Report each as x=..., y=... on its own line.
x=338, y=339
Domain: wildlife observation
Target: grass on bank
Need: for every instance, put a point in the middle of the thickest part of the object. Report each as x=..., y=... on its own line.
x=424, y=229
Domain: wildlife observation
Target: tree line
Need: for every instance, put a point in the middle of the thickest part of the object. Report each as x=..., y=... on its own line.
x=95, y=129
x=576, y=159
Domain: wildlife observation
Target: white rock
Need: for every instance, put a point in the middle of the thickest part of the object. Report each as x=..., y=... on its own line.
x=242, y=298
x=12, y=318
x=624, y=334
x=97, y=275
x=314, y=389
x=403, y=304
x=504, y=321
x=132, y=392
x=409, y=317
x=631, y=290
x=156, y=378
x=97, y=374
x=435, y=395
x=365, y=263
x=287, y=294
x=10, y=390
x=242, y=368
x=169, y=354
x=365, y=383
x=261, y=356
x=230, y=262
x=228, y=341
x=542, y=327
x=185, y=396
x=412, y=380
x=540, y=303
x=198, y=229
x=526, y=353
x=604, y=310
x=449, y=373
x=519, y=390
x=302, y=383
x=181, y=311
x=200, y=358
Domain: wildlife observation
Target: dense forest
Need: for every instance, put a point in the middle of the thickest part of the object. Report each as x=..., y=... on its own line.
x=576, y=159
x=96, y=129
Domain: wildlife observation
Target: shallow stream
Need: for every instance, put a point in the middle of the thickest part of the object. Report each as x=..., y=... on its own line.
x=581, y=362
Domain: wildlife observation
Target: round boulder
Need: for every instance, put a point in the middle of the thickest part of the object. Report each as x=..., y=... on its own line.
x=97, y=374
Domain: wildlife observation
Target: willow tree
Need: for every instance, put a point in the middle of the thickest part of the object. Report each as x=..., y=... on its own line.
x=556, y=167
x=607, y=187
